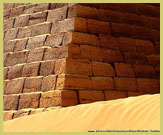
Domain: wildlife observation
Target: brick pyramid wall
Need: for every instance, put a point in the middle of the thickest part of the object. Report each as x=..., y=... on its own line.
x=69, y=54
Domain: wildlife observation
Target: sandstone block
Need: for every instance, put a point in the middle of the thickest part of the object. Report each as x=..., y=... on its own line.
x=144, y=71
x=110, y=56
x=47, y=67
x=111, y=95
x=16, y=58
x=10, y=102
x=124, y=70
x=97, y=27
x=154, y=59
x=35, y=42
x=9, y=46
x=102, y=83
x=16, y=11
x=41, y=7
x=20, y=113
x=37, y=18
x=48, y=83
x=121, y=29
x=102, y=69
x=124, y=84
x=31, y=69
x=8, y=24
x=109, y=42
x=5, y=73
x=73, y=81
x=8, y=115
x=11, y=34
x=32, y=84
x=24, y=32
x=83, y=11
x=54, y=40
x=15, y=71
x=148, y=85
x=29, y=8
x=41, y=29
x=131, y=93
x=35, y=55
x=21, y=21
x=57, y=14
x=29, y=101
x=80, y=38
x=15, y=86
x=20, y=45
x=91, y=53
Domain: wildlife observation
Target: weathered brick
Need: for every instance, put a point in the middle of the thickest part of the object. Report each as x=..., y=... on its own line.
x=57, y=5
x=73, y=81
x=24, y=32
x=15, y=86
x=131, y=93
x=73, y=51
x=35, y=42
x=80, y=38
x=5, y=73
x=70, y=24
x=6, y=13
x=91, y=52
x=109, y=42
x=157, y=47
x=48, y=83
x=20, y=45
x=155, y=35
x=83, y=11
x=37, y=110
x=134, y=19
x=10, y=102
x=147, y=10
x=141, y=32
x=16, y=11
x=135, y=58
x=5, y=55
x=29, y=8
x=102, y=69
x=111, y=55
x=31, y=69
x=54, y=40
x=154, y=23
x=57, y=14
x=102, y=83
x=126, y=7
x=127, y=44
x=111, y=95
x=144, y=71
x=7, y=115
x=16, y=58
x=51, y=53
x=41, y=29
x=119, y=29
x=15, y=71
x=97, y=27
x=9, y=46
x=90, y=96
x=11, y=34
x=148, y=85
x=35, y=55
x=41, y=7
x=144, y=46
x=124, y=84
x=157, y=71
x=124, y=70
x=109, y=15
x=153, y=59
x=21, y=21
x=8, y=24
x=29, y=101
x=37, y=18
x=32, y=84
x=5, y=82
x=8, y=5
x=20, y=113
x=73, y=66
x=47, y=68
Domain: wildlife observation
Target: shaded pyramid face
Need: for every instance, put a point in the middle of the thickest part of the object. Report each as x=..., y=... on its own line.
x=69, y=54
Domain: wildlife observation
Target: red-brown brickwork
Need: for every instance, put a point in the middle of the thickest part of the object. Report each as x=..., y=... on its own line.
x=64, y=54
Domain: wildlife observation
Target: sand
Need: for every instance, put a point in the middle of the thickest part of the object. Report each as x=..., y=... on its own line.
x=133, y=113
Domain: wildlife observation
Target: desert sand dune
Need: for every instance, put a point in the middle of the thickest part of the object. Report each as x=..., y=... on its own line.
x=136, y=113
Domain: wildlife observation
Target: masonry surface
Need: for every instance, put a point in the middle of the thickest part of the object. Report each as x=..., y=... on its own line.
x=68, y=54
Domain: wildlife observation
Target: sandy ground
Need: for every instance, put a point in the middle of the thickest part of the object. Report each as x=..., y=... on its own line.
x=142, y=112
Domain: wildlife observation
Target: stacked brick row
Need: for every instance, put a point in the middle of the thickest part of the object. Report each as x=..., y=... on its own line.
x=69, y=54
